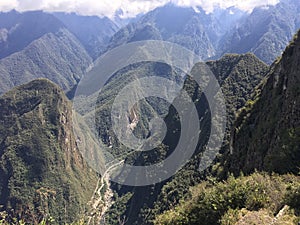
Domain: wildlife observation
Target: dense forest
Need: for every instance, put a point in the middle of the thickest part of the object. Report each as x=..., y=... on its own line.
x=62, y=160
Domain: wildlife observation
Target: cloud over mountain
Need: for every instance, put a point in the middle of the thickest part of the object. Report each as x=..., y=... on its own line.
x=129, y=8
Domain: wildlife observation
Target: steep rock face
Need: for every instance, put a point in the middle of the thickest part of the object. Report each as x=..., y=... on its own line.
x=42, y=171
x=266, y=136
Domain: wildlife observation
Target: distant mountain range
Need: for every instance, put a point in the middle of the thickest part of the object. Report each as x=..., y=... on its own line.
x=18, y=30
x=57, y=56
x=265, y=32
x=37, y=44
x=43, y=174
x=93, y=32
x=78, y=40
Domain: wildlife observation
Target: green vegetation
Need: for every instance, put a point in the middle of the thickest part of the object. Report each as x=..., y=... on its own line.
x=14, y=221
x=266, y=135
x=45, y=180
x=42, y=171
x=191, y=30
x=93, y=32
x=57, y=56
x=237, y=74
x=236, y=199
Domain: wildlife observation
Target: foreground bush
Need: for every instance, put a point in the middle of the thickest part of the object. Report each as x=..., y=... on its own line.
x=229, y=201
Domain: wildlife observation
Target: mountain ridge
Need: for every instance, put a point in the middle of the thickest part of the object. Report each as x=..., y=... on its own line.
x=277, y=142
x=210, y=35
x=57, y=56
x=265, y=32
x=240, y=68
x=93, y=32
x=29, y=25
x=266, y=139
x=43, y=172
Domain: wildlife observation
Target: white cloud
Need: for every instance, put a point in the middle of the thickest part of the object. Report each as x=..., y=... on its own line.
x=6, y=5
x=129, y=7
x=208, y=5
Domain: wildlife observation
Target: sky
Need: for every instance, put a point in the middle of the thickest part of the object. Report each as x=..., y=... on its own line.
x=130, y=8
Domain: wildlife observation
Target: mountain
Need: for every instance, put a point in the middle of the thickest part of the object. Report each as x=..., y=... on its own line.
x=237, y=74
x=122, y=21
x=266, y=136
x=40, y=46
x=188, y=29
x=93, y=32
x=206, y=34
x=228, y=17
x=45, y=177
x=20, y=29
x=245, y=71
x=42, y=171
x=265, y=32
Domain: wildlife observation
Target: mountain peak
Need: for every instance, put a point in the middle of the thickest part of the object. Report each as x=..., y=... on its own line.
x=39, y=84
x=293, y=46
x=39, y=155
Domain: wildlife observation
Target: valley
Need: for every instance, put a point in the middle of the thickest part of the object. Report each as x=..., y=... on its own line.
x=105, y=157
